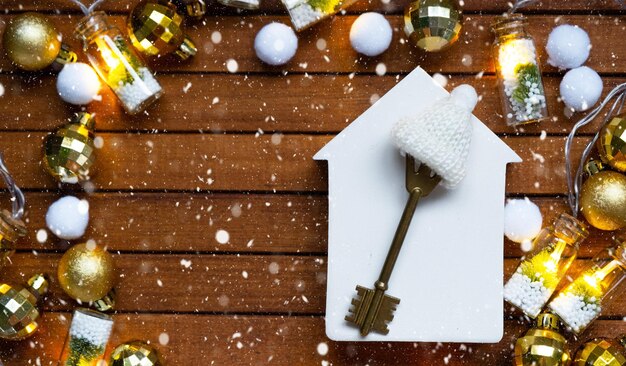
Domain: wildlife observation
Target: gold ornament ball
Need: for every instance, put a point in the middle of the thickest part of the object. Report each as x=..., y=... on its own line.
x=69, y=153
x=86, y=272
x=135, y=353
x=18, y=308
x=612, y=143
x=154, y=27
x=31, y=41
x=603, y=200
x=432, y=25
x=601, y=352
x=542, y=345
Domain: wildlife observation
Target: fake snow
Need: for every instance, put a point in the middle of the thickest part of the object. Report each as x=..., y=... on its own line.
x=164, y=339
x=440, y=79
x=274, y=268
x=381, y=69
x=574, y=311
x=95, y=330
x=321, y=44
x=322, y=349
x=232, y=66
x=137, y=92
x=216, y=37
x=222, y=236
x=530, y=296
x=42, y=236
x=1, y=89
x=98, y=142
x=185, y=263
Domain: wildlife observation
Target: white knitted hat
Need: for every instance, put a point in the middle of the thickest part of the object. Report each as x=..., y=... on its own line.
x=440, y=136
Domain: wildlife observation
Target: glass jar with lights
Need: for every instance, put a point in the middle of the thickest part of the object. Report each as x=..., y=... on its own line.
x=305, y=13
x=580, y=302
x=518, y=73
x=114, y=59
x=554, y=249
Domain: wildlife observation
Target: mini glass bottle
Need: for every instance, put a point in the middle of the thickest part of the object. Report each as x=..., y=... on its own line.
x=114, y=59
x=580, y=302
x=12, y=227
x=88, y=337
x=305, y=13
x=536, y=278
x=517, y=69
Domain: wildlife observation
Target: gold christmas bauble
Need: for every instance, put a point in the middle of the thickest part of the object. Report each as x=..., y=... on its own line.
x=542, y=345
x=135, y=353
x=432, y=25
x=18, y=308
x=31, y=41
x=69, y=153
x=86, y=272
x=603, y=200
x=601, y=352
x=612, y=143
x=154, y=27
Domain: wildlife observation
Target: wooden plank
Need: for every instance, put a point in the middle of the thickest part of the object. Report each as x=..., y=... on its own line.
x=235, y=340
x=470, y=55
x=240, y=103
x=158, y=222
x=198, y=162
x=397, y=6
x=196, y=283
x=225, y=283
x=256, y=223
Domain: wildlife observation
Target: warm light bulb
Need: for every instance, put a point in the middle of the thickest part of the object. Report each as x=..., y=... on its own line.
x=512, y=54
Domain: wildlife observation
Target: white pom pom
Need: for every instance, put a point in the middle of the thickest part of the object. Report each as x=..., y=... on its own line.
x=68, y=217
x=464, y=96
x=581, y=88
x=276, y=44
x=371, y=34
x=78, y=83
x=522, y=220
x=568, y=46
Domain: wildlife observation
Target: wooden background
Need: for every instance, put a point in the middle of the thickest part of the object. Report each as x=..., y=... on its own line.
x=233, y=152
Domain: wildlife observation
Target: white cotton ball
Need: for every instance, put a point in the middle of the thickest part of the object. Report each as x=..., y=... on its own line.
x=68, y=217
x=371, y=34
x=276, y=44
x=78, y=83
x=522, y=220
x=581, y=88
x=465, y=96
x=568, y=46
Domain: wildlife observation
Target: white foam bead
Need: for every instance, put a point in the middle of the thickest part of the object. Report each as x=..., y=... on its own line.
x=276, y=44
x=68, y=217
x=78, y=83
x=581, y=88
x=522, y=220
x=568, y=46
x=371, y=34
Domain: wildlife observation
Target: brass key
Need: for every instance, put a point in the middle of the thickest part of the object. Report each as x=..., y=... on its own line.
x=373, y=310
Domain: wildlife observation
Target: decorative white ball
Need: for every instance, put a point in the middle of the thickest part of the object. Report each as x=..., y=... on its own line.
x=78, y=83
x=581, y=88
x=522, y=220
x=568, y=46
x=68, y=217
x=371, y=34
x=276, y=44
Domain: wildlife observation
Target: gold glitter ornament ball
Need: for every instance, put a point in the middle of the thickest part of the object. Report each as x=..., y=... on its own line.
x=601, y=352
x=31, y=41
x=86, y=272
x=542, y=345
x=18, y=308
x=69, y=153
x=603, y=200
x=432, y=25
x=154, y=27
x=612, y=143
x=135, y=353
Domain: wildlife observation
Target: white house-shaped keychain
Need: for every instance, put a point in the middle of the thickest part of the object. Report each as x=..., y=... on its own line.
x=449, y=273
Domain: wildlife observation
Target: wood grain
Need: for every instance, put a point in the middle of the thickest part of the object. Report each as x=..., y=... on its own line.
x=471, y=55
x=284, y=341
x=238, y=104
